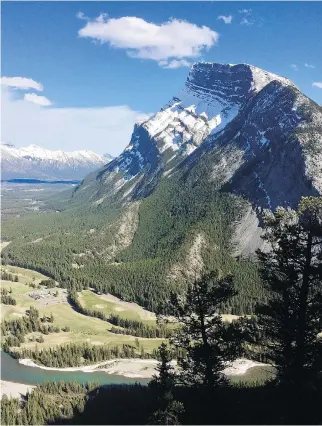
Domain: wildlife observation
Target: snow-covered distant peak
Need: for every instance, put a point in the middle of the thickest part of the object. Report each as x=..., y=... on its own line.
x=37, y=152
x=34, y=161
x=108, y=157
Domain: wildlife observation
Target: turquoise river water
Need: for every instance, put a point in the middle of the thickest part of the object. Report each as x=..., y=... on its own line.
x=12, y=371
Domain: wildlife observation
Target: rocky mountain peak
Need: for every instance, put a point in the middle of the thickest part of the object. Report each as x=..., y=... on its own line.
x=229, y=83
x=213, y=96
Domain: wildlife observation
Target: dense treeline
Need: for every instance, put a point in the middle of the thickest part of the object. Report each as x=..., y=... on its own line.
x=131, y=327
x=6, y=298
x=47, y=403
x=144, y=281
x=14, y=331
x=78, y=354
x=76, y=404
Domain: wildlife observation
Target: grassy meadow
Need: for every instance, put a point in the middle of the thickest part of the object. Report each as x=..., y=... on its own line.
x=81, y=328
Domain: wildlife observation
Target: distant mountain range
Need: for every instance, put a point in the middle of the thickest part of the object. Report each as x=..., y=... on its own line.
x=35, y=162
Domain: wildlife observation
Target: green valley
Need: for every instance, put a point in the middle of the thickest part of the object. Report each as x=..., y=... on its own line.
x=73, y=326
x=137, y=253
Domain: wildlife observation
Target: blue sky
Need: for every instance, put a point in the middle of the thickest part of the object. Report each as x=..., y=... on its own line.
x=98, y=75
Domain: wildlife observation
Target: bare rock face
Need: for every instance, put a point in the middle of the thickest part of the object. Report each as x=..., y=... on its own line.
x=251, y=132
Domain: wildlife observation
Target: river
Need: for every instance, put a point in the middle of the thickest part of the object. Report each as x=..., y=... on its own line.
x=12, y=371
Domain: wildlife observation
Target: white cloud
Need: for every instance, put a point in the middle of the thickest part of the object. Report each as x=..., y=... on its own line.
x=174, y=63
x=171, y=40
x=101, y=129
x=245, y=11
x=309, y=65
x=294, y=67
x=246, y=21
x=36, y=99
x=21, y=83
x=317, y=84
x=226, y=19
x=81, y=15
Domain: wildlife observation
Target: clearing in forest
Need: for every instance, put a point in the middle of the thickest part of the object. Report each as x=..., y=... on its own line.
x=109, y=304
x=80, y=328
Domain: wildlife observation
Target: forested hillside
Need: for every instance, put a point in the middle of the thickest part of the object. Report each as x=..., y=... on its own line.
x=286, y=333
x=73, y=246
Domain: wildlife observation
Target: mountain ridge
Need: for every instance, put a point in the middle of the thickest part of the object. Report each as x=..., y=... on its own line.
x=34, y=161
x=175, y=134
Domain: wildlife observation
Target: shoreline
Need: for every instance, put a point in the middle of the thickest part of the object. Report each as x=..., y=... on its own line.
x=126, y=367
x=136, y=368
x=14, y=389
x=140, y=368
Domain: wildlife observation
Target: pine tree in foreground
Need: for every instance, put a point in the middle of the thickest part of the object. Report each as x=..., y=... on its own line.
x=163, y=384
x=165, y=379
x=169, y=415
x=209, y=343
x=291, y=321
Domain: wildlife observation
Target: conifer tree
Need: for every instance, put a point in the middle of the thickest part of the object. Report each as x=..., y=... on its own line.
x=163, y=384
x=169, y=415
x=292, y=271
x=209, y=343
x=165, y=379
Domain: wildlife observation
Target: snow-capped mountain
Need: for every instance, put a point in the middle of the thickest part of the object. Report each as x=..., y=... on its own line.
x=212, y=97
x=246, y=129
x=36, y=162
x=108, y=156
